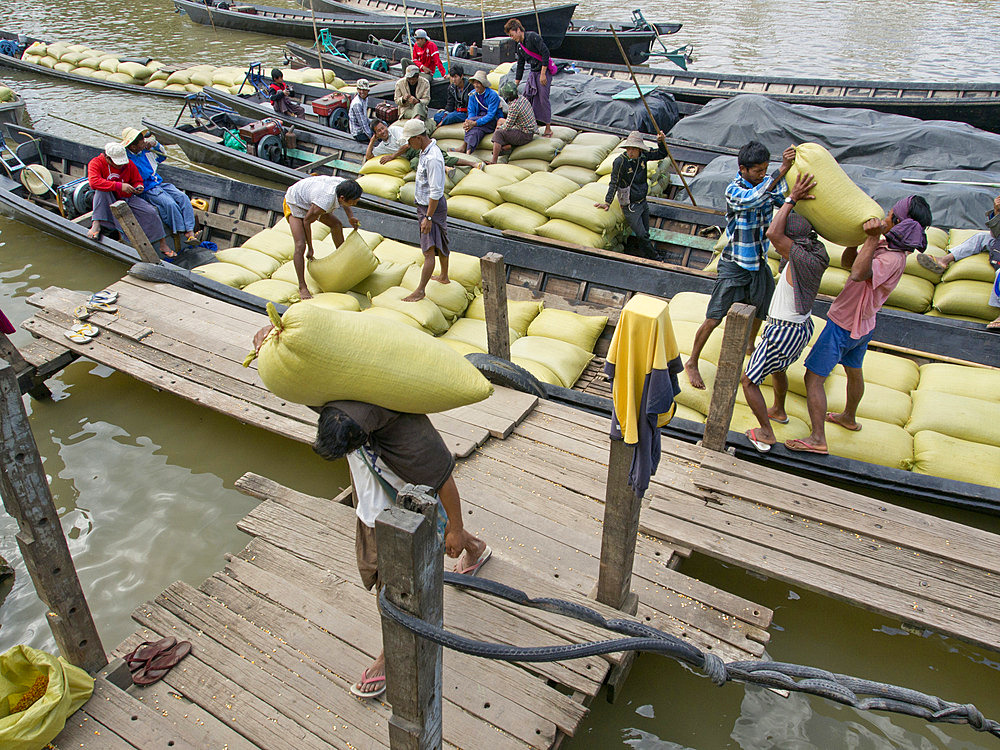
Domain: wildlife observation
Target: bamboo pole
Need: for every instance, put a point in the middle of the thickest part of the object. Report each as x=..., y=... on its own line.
x=538, y=23
x=406, y=20
x=444, y=30
x=482, y=14
x=211, y=20
x=652, y=119
x=319, y=50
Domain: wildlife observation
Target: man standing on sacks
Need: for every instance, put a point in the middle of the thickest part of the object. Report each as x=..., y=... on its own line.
x=432, y=206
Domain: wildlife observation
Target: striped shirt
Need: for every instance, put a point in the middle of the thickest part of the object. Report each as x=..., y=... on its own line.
x=358, y=117
x=748, y=213
x=520, y=116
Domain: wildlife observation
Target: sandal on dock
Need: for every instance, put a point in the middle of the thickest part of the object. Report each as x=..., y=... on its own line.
x=369, y=687
x=138, y=657
x=474, y=568
x=158, y=667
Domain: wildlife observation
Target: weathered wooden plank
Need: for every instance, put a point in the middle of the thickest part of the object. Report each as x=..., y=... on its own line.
x=130, y=226
x=735, y=339
x=84, y=731
x=620, y=528
x=494, y=276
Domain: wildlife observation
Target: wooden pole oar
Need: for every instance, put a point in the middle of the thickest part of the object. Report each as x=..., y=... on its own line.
x=444, y=30
x=211, y=20
x=319, y=50
x=538, y=23
x=482, y=13
x=652, y=119
x=406, y=20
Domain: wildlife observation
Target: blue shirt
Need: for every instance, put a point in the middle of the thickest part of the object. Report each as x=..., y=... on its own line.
x=146, y=161
x=484, y=108
x=748, y=213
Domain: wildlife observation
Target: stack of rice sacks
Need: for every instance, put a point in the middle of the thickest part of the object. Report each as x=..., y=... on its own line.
x=937, y=419
x=371, y=275
x=82, y=60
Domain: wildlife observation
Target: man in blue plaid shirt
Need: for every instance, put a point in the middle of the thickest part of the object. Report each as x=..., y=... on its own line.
x=744, y=275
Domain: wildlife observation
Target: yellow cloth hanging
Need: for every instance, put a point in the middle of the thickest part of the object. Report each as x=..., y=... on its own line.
x=643, y=341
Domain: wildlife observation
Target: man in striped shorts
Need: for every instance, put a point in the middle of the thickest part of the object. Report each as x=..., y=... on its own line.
x=789, y=327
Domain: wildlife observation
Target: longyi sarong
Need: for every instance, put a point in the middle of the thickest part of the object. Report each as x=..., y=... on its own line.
x=437, y=238
x=538, y=95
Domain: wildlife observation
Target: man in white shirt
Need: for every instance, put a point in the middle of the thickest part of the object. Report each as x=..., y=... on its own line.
x=432, y=206
x=789, y=325
x=386, y=140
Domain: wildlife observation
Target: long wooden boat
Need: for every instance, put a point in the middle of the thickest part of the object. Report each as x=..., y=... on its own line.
x=584, y=40
x=13, y=112
x=683, y=239
x=284, y=22
x=590, y=284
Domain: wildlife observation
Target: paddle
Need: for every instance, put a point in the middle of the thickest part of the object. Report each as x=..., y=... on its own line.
x=652, y=119
x=538, y=23
x=916, y=181
x=319, y=50
x=444, y=30
x=482, y=13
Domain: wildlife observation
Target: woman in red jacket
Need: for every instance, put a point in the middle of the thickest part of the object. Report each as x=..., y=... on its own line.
x=113, y=177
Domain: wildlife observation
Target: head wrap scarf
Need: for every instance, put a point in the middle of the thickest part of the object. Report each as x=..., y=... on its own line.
x=809, y=260
x=908, y=234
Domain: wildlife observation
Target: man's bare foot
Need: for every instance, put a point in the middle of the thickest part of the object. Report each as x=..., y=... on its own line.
x=167, y=250
x=806, y=445
x=993, y=325
x=304, y=293
x=838, y=418
x=95, y=231
x=694, y=377
x=441, y=279
x=415, y=296
x=547, y=133
x=473, y=557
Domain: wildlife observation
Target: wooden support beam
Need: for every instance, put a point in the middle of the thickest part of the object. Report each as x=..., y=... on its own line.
x=739, y=321
x=620, y=528
x=136, y=237
x=28, y=500
x=27, y=374
x=409, y=564
x=495, y=304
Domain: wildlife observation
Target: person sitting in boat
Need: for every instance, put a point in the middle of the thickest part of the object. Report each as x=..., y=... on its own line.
x=113, y=178
x=875, y=270
x=629, y=183
x=426, y=55
x=518, y=127
x=531, y=49
x=390, y=143
x=361, y=129
x=789, y=323
x=173, y=206
x=314, y=199
x=983, y=242
x=281, y=96
x=412, y=94
x=744, y=275
x=484, y=111
x=457, y=104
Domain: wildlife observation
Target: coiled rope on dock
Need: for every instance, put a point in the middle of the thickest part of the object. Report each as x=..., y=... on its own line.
x=865, y=695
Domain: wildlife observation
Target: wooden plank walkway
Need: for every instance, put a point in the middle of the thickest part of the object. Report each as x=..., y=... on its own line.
x=900, y=563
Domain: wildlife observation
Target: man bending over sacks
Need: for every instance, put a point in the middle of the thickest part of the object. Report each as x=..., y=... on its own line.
x=315, y=199
x=875, y=270
x=744, y=275
x=385, y=450
x=979, y=243
x=789, y=325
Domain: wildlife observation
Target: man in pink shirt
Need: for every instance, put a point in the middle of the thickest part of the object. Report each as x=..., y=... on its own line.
x=875, y=271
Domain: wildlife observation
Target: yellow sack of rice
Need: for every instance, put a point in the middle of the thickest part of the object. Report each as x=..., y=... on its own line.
x=452, y=298
x=969, y=298
x=539, y=191
x=481, y=185
x=469, y=208
x=6, y=94
x=408, y=193
x=227, y=77
x=686, y=412
x=567, y=231
x=579, y=209
x=383, y=185
x=274, y=290
x=952, y=458
x=229, y=274
x=253, y=260
x=102, y=75
x=424, y=311
x=346, y=266
x=273, y=242
x=73, y=58
x=957, y=236
x=978, y=382
x=520, y=313
x=394, y=168
x=509, y=172
x=242, y=89
x=574, y=328
x=878, y=443
x=541, y=149
x=173, y=86
x=137, y=71
x=608, y=164
x=460, y=346
x=315, y=355
x=192, y=88
x=912, y=293
x=913, y=267
x=694, y=398
x=159, y=85
x=57, y=48
x=110, y=65
x=689, y=306
x=334, y=301
x=453, y=132
x=530, y=165
x=974, y=268
x=514, y=217
x=881, y=368
x=391, y=251
x=65, y=67
x=599, y=140
x=880, y=403
x=47, y=62
x=385, y=276
x=396, y=316
x=832, y=281
x=287, y=273
x=320, y=231
x=182, y=77
x=580, y=175
x=538, y=370
x=581, y=155
x=37, y=48
x=473, y=332
x=465, y=269
x=965, y=417
x=840, y=207
x=567, y=361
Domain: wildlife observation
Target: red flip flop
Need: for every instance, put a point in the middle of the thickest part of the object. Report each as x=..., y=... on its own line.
x=156, y=668
x=359, y=690
x=474, y=568
x=138, y=657
x=801, y=446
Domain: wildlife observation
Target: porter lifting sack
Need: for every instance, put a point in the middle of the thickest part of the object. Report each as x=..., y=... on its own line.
x=315, y=355
x=840, y=208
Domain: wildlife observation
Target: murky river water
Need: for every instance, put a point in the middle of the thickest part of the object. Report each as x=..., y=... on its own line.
x=144, y=480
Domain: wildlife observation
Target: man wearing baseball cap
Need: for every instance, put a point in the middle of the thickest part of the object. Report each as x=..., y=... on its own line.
x=412, y=94
x=361, y=129
x=425, y=54
x=113, y=178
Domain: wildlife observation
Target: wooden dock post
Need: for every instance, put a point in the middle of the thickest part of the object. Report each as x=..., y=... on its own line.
x=727, y=376
x=28, y=500
x=409, y=564
x=136, y=237
x=27, y=375
x=495, y=305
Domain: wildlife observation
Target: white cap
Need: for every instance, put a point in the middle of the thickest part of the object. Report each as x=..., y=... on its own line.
x=362, y=84
x=116, y=154
x=414, y=127
x=420, y=34
x=412, y=70
x=482, y=78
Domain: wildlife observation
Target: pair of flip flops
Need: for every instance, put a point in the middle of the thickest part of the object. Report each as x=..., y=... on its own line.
x=150, y=661
x=81, y=333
